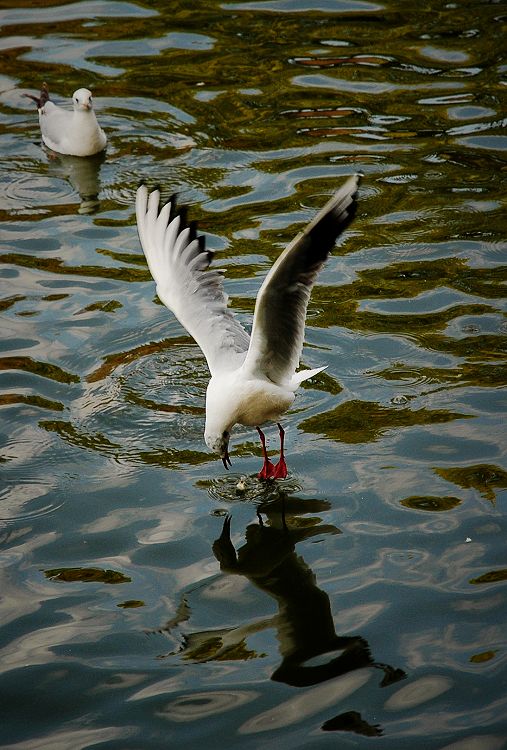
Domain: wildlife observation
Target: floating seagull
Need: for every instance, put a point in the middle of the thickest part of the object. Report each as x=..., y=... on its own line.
x=74, y=133
x=253, y=378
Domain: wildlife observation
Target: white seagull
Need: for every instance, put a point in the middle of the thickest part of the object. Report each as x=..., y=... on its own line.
x=74, y=133
x=253, y=378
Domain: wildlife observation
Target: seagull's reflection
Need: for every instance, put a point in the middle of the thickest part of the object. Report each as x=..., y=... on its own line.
x=311, y=650
x=83, y=173
x=304, y=623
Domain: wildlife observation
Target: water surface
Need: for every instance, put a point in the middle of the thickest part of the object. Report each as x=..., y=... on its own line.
x=147, y=600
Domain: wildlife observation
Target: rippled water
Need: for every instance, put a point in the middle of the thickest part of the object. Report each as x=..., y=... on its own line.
x=366, y=601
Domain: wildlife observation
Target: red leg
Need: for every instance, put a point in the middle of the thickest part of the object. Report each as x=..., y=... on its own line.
x=268, y=468
x=280, y=470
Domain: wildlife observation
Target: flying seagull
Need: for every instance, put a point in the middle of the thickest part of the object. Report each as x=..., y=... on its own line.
x=74, y=133
x=253, y=378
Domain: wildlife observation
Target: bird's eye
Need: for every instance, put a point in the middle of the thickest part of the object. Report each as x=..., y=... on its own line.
x=76, y=100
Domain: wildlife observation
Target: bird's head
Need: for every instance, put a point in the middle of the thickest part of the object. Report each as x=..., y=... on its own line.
x=218, y=442
x=82, y=100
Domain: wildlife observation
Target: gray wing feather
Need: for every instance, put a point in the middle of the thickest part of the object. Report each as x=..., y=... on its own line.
x=179, y=264
x=280, y=311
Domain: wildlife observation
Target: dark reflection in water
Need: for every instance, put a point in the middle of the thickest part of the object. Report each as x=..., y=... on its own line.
x=304, y=623
x=311, y=650
x=83, y=173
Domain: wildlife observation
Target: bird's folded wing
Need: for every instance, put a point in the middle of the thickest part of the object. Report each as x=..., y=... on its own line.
x=54, y=122
x=280, y=311
x=179, y=264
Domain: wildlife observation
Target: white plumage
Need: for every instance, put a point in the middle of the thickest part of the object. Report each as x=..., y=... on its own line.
x=253, y=378
x=75, y=133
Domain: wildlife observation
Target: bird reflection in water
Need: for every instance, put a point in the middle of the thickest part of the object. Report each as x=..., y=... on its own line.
x=311, y=650
x=83, y=173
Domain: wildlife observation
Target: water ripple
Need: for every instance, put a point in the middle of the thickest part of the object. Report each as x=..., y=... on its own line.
x=391, y=525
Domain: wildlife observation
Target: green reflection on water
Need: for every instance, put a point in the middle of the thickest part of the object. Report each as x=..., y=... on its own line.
x=431, y=502
x=494, y=576
x=8, y=399
x=7, y=302
x=483, y=657
x=86, y=575
x=137, y=259
x=366, y=421
x=147, y=403
x=476, y=374
x=44, y=369
x=72, y=434
x=106, y=306
x=56, y=265
x=112, y=361
x=409, y=279
x=323, y=382
x=484, y=478
x=99, y=443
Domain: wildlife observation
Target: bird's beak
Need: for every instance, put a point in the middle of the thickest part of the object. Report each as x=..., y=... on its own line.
x=226, y=460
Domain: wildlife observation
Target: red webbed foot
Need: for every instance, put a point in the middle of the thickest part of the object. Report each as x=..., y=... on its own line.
x=267, y=471
x=270, y=470
x=280, y=470
x=268, y=467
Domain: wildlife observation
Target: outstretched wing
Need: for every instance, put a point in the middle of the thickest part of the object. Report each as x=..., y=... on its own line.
x=280, y=311
x=179, y=264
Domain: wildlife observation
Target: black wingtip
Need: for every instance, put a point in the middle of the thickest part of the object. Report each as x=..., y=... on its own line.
x=335, y=217
x=182, y=212
x=175, y=210
x=42, y=98
x=193, y=230
x=173, y=203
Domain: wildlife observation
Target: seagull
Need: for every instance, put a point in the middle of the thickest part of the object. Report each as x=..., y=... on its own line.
x=74, y=133
x=253, y=377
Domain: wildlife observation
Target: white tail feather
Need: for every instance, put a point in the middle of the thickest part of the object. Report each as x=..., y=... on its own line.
x=302, y=375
